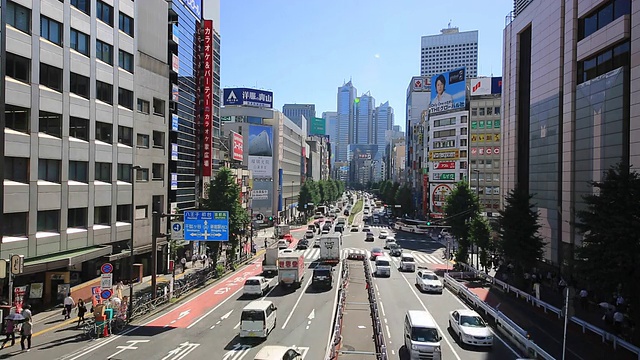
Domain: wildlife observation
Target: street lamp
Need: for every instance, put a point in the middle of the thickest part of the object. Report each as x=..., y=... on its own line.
x=292, y=202
x=133, y=219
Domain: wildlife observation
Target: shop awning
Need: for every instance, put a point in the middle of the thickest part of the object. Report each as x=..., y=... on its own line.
x=64, y=259
x=137, y=251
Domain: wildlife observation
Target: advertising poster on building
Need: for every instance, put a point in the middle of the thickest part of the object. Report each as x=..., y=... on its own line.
x=496, y=85
x=261, y=151
x=207, y=95
x=480, y=86
x=448, y=91
x=439, y=193
x=262, y=197
x=237, y=146
x=363, y=152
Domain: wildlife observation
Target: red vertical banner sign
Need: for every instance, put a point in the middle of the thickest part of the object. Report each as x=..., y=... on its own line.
x=207, y=78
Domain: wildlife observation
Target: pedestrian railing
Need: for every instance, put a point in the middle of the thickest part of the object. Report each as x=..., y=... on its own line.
x=332, y=349
x=381, y=347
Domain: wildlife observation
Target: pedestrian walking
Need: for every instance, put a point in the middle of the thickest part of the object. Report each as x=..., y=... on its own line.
x=82, y=309
x=68, y=305
x=27, y=328
x=10, y=332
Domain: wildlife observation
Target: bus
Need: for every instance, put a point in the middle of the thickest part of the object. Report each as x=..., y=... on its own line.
x=412, y=226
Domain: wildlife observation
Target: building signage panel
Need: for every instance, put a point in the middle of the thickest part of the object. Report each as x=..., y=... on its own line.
x=318, y=126
x=174, y=33
x=195, y=6
x=448, y=91
x=206, y=225
x=175, y=63
x=262, y=197
x=439, y=193
x=207, y=78
x=174, y=181
x=444, y=155
x=248, y=97
x=238, y=147
x=443, y=176
x=481, y=86
x=444, y=165
x=175, y=92
x=261, y=151
x=496, y=85
x=174, y=152
x=174, y=122
x=280, y=181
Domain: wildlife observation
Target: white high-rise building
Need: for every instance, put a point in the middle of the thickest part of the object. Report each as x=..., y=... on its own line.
x=449, y=50
x=346, y=96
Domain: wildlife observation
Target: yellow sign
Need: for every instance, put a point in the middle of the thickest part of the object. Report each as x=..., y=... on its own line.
x=474, y=138
x=481, y=138
x=489, y=137
x=496, y=137
x=444, y=155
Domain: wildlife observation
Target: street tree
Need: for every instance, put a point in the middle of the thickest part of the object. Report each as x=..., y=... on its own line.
x=305, y=197
x=480, y=235
x=460, y=207
x=610, y=223
x=520, y=242
x=404, y=198
x=223, y=194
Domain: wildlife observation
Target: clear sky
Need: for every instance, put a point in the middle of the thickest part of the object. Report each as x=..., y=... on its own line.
x=303, y=50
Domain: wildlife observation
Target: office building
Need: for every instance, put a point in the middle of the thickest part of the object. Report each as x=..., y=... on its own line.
x=569, y=108
x=382, y=122
x=331, y=124
x=449, y=50
x=347, y=94
x=362, y=128
x=416, y=126
x=295, y=112
x=82, y=84
x=397, y=163
x=318, y=158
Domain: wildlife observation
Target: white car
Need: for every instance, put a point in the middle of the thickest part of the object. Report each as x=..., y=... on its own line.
x=383, y=234
x=470, y=328
x=309, y=234
x=389, y=241
x=428, y=281
x=366, y=228
x=407, y=263
x=256, y=285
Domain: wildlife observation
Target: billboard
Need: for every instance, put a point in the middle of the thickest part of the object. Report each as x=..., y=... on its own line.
x=481, y=86
x=261, y=151
x=237, y=143
x=444, y=155
x=444, y=165
x=496, y=85
x=248, y=97
x=419, y=83
x=439, y=193
x=207, y=94
x=262, y=197
x=448, y=91
x=318, y=126
x=195, y=6
x=363, y=152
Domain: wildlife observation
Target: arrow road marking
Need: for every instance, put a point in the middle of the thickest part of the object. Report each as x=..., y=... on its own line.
x=181, y=351
x=127, y=347
x=311, y=316
x=223, y=317
x=183, y=314
x=239, y=351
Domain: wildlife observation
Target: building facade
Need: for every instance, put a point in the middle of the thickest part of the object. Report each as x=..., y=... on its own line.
x=397, y=164
x=295, y=112
x=568, y=107
x=331, y=125
x=416, y=125
x=449, y=50
x=362, y=127
x=319, y=153
x=347, y=94
x=382, y=122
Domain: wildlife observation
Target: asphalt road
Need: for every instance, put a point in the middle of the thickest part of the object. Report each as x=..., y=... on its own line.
x=398, y=294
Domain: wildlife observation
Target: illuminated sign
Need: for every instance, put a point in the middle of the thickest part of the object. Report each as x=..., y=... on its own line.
x=444, y=155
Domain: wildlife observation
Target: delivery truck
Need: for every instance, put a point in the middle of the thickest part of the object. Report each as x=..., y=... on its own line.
x=282, y=230
x=291, y=269
x=330, y=248
x=270, y=263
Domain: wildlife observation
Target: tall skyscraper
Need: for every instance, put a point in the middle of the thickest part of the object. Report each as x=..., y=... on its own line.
x=295, y=112
x=449, y=50
x=382, y=122
x=362, y=130
x=331, y=124
x=346, y=96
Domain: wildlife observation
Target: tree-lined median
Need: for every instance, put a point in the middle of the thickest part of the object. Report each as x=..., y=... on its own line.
x=355, y=210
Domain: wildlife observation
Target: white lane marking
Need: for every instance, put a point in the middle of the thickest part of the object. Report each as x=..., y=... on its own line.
x=296, y=304
x=129, y=346
x=333, y=312
x=214, y=309
x=376, y=285
x=388, y=332
x=382, y=309
x=237, y=326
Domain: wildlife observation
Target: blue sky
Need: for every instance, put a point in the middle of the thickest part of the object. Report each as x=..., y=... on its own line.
x=302, y=50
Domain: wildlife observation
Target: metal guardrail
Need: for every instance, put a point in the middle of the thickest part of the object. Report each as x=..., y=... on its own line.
x=381, y=347
x=332, y=351
x=604, y=335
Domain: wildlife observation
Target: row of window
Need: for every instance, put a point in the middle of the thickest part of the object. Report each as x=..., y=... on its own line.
x=449, y=132
x=16, y=224
x=19, y=17
x=17, y=169
x=602, y=16
x=603, y=62
x=492, y=110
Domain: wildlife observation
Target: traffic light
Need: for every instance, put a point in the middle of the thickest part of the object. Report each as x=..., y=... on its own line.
x=428, y=223
x=270, y=218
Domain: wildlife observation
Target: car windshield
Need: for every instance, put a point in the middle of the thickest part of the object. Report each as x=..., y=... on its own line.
x=407, y=259
x=382, y=263
x=252, y=315
x=321, y=272
x=252, y=282
x=472, y=321
x=424, y=335
x=394, y=246
x=429, y=277
x=376, y=250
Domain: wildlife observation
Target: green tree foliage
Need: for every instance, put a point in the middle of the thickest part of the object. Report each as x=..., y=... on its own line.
x=610, y=253
x=519, y=239
x=480, y=235
x=223, y=194
x=306, y=196
x=460, y=207
x=404, y=198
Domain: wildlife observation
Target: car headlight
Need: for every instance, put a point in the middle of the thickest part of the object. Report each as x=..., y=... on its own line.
x=414, y=347
x=490, y=337
x=437, y=349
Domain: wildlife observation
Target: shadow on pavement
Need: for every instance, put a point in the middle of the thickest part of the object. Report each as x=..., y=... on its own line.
x=318, y=290
x=232, y=345
x=147, y=331
x=280, y=291
x=58, y=342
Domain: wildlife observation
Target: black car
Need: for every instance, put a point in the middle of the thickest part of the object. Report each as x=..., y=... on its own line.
x=303, y=244
x=339, y=228
x=322, y=277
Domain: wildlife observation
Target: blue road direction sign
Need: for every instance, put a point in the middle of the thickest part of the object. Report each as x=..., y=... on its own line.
x=206, y=225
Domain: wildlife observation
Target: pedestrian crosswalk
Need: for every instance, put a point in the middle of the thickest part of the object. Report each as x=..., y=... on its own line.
x=312, y=254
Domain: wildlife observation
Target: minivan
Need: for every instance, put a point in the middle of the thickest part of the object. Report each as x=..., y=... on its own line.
x=258, y=319
x=421, y=336
x=383, y=266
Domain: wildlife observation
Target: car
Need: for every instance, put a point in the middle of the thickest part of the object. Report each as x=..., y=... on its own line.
x=395, y=250
x=388, y=242
x=286, y=251
x=470, y=328
x=277, y=352
x=309, y=234
x=325, y=232
x=326, y=226
x=383, y=234
x=346, y=212
x=339, y=228
x=316, y=243
x=256, y=286
x=369, y=237
x=303, y=244
x=282, y=244
x=375, y=252
x=366, y=228
x=428, y=281
x=354, y=228
x=318, y=216
x=407, y=263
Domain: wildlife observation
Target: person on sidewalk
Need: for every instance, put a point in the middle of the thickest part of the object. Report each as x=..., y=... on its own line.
x=10, y=332
x=27, y=328
x=68, y=305
x=82, y=309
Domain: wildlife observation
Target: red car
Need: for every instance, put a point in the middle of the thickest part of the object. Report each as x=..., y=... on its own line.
x=288, y=237
x=375, y=252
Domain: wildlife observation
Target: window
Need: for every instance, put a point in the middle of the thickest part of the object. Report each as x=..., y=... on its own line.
x=51, y=30
x=489, y=111
x=79, y=128
x=142, y=175
x=18, y=67
x=126, y=24
x=79, y=42
x=77, y=218
x=103, y=172
x=82, y=5
x=104, y=12
x=17, y=118
x=16, y=169
x=143, y=106
x=123, y=213
x=19, y=17
x=15, y=224
x=474, y=111
x=104, y=52
x=142, y=141
x=125, y=61
x=481, y=111
x=50, y=123
x=602, y=17
x=78, y=171
x=79, y=85
x=142, y=211
x=157, y=202
x=104, y=92
x=51, y=77
x=104, y=132
x=158, y=171
x=102, y=215
x=603, y=62
x=49, y=170
x=49, y=221
x=496, y=110
x=124, y=172
x=158, y=107
x=158, y=139
x=125, y=135
x=125, y=98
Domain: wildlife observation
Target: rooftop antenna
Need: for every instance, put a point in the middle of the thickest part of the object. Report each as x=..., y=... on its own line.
x=449, y=23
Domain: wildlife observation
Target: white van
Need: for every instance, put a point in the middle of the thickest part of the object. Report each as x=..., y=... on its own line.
x=282, y=244
x=421, y=336
x=407, y=263
x=383, y=266
x=258, y=319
